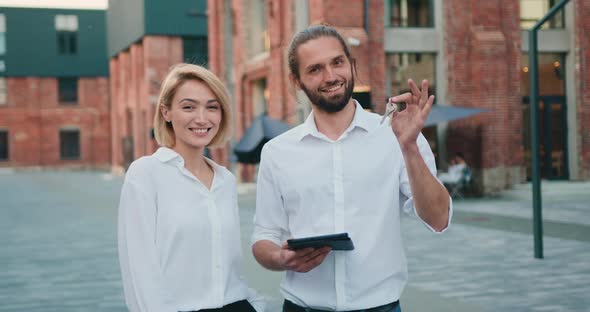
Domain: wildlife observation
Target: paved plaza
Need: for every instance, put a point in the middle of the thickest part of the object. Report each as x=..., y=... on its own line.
x=58, y=249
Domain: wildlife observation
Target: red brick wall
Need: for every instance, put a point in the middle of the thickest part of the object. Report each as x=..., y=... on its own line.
x=246, y=71
x=281, y=27
x=582, y=54
x=136, y=77
x=335, y=13
x=349, y=19
x=22, y=121
x=116, y=154
x=376, y=64
x=482, y=42
x=34, y=117
x=217, y=64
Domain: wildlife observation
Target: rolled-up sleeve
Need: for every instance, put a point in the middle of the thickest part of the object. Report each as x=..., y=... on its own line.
x=406, y=198
x=270, y=219
x=138, y=256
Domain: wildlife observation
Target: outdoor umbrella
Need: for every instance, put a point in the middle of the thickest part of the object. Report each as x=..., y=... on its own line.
x=444, y=113
x=262, y=129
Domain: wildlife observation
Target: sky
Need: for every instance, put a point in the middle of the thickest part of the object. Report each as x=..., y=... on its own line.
x=70, y=4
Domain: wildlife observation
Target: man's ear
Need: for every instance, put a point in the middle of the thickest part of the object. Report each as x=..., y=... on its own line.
x=295, y=81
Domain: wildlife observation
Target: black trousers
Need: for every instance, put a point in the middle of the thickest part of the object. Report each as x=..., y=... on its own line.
x=238, y=306
x=289, y=306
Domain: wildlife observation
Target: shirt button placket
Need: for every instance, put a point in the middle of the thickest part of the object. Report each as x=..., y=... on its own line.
x=339, y=258
x=216, y=241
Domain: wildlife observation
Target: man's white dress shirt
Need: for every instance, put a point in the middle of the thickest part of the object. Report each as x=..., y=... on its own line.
x=179, y=242
x=311, y=185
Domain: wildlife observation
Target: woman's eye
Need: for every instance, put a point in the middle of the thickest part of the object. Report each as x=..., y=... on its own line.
x=213, y=107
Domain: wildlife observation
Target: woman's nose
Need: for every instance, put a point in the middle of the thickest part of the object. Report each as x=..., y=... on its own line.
x=200, y=114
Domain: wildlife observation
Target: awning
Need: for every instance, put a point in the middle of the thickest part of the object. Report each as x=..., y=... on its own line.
x=445, y=113
x=262, y=129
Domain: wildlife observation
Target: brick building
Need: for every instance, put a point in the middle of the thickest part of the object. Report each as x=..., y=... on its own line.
x=472, y=52
x=53, y=88
x=145, y=38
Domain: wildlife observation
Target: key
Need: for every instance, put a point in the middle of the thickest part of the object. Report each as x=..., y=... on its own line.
x=390, y=108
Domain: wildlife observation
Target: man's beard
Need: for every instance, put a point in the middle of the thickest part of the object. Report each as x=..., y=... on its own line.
x=333, y=105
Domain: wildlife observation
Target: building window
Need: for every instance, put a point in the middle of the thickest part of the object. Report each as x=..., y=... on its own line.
x=260, y=97
x=68, y=90
x=551, y=73
x=2, y=91
x=552, y=115
x=403, y=66
x=195, y=50
x=533, y=10
x=66, y=27
x=2, y=34
x=409, y=13
x=69, y=143
x=257, y=39
x=3, y=144
x=417, y=66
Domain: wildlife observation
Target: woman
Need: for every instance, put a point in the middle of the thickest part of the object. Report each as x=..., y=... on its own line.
x=179, y=230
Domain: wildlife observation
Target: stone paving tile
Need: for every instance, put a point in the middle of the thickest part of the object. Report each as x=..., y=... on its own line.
x=497, y=269
x=562, y=201
x=58, y=242
x=58, y=249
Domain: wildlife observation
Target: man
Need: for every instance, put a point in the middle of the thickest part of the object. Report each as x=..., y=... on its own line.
x=342, y=171
x=456, y=170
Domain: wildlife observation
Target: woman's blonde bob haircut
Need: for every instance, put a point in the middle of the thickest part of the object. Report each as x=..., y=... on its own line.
x=179, y=74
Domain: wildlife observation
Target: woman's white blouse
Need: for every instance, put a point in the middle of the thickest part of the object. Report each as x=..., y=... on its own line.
x=179, y=242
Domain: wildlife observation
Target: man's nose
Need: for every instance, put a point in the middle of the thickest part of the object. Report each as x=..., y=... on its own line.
x=329, y=74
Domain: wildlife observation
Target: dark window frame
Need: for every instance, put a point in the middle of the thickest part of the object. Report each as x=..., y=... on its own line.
x=556, y=22
x=4, y=92
x=69, y=150
x=3, y=33
x=4, y=148
x=67, y=93
x=430, y=23
x=195, y=50
x=411, y=59
x=67, y=42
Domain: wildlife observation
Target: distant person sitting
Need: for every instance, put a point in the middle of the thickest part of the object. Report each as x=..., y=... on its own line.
x=457, y=165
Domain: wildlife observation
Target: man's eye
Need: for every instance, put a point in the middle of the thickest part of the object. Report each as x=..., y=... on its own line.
x=187, y=107
x=313, y=70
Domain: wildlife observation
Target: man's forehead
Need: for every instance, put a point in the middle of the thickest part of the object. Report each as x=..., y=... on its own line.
x=320, y=50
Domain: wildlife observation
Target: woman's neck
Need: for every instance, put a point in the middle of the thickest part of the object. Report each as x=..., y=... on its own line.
x=194, y=161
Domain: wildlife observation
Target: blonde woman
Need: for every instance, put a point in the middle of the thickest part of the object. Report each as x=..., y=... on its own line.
x=179, y=230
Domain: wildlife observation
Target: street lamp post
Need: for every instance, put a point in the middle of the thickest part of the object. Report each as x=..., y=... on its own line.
x=534, y=85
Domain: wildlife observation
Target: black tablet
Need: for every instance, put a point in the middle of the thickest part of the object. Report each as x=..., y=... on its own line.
x=339, y=241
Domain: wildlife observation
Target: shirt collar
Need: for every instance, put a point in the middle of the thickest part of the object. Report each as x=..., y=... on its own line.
x=165, y=154
x=361, y=120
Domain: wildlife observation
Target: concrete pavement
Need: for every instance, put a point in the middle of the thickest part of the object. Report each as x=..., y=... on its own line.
x=58, y=249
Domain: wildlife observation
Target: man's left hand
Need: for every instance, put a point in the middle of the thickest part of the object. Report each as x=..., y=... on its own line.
x=408, y=123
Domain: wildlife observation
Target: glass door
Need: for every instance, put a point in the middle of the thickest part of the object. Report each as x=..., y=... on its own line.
x=552, y=137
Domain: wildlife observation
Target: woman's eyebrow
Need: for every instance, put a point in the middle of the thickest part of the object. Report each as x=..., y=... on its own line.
x=196, y=101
